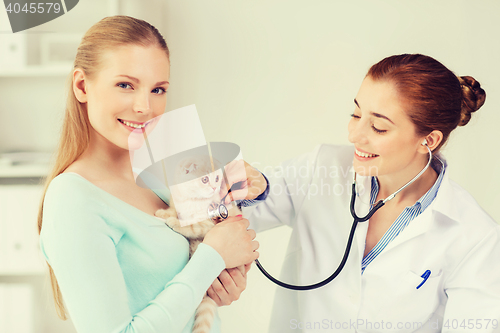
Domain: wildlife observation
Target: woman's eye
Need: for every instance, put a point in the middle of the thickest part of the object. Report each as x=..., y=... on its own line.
x=355, y=116
x=124, y=85
x=159, y=91
x=378, y=131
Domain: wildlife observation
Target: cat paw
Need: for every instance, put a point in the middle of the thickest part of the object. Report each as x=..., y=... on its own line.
x=173, y=222
x=166, y=213
x=201, y=228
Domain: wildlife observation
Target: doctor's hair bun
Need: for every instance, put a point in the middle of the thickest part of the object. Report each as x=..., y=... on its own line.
x=434, y=97
x=473, y=97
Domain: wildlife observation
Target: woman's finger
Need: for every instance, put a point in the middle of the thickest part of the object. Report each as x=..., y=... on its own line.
x=252, y=233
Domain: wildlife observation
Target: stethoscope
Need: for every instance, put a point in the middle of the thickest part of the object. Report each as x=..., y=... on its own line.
x=357, y=219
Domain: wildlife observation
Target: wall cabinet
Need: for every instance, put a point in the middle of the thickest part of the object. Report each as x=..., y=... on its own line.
x=26, y=304
x=19, y=253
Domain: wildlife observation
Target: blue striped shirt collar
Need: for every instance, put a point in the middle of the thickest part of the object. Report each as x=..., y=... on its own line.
x=438, y=163
x=410, y=213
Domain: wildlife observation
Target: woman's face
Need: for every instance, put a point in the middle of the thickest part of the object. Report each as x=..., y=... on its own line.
x=127, y=92
x=384, y=137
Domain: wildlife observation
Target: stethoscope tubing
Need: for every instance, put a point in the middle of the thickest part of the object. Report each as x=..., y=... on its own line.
x=357, y=219
x=346, y=251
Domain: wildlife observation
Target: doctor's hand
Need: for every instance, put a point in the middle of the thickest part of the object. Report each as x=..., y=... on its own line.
x=228, y=287
x=245, y=182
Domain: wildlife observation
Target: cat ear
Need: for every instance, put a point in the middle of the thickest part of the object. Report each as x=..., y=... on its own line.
x=191, y=168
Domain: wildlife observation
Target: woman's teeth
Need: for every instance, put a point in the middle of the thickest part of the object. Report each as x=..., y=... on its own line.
x=360, y=154
x=131, y=124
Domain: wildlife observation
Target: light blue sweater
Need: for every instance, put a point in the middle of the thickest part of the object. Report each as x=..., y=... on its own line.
x=119, y=268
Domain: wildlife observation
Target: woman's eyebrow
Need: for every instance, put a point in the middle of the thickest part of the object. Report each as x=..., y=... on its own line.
x=375, y=114
x=136, y=80
x=378, y=115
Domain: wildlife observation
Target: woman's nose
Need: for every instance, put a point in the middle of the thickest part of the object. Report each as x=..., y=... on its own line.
x=142, y=103
x=357, y=132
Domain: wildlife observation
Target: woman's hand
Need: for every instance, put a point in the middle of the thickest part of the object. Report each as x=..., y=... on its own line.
x=228, y=287
x=248, y=182
x=233, y=241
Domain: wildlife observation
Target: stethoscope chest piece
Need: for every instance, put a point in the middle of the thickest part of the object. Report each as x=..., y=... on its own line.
x=217, y=212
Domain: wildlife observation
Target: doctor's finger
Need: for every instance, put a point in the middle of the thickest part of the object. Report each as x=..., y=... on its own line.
x=239, y=194
x=213, y=295
x=234, y=194
x=228, y=282
x=224, y=188
x=256, y=187
x=235, y=172
x=225, y=290
x=239, y=278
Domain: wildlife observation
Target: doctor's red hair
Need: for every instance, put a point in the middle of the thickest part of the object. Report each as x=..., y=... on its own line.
x=434, y=97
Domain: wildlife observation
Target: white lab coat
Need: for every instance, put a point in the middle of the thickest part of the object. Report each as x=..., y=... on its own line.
x=453, y=238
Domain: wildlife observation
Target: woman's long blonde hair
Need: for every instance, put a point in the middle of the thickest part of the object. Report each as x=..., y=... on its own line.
x=103, y=36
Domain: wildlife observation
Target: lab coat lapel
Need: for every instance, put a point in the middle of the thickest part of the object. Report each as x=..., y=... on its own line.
x=443, y=203
x=421, y=224
x=362, y=207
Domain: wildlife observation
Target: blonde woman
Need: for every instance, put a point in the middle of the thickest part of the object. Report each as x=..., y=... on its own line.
x=117, y=267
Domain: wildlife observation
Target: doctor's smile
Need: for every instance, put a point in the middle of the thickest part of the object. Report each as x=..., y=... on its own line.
x=364, y=156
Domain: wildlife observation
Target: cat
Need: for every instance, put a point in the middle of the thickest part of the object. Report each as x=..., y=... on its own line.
x=197, y=187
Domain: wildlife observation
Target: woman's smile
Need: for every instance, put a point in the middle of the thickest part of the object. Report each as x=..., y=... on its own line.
x=132, y=125
x=362, y=155
x=129, y=89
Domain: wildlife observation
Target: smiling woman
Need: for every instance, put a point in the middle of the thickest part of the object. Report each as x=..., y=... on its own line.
x=428, y=257
x=117, y=107
x=381, y=130
x=120, y=268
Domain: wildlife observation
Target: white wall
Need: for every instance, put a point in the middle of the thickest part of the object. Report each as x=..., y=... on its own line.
x=279, y=77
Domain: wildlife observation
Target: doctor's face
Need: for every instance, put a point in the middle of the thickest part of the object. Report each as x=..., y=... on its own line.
x=384, y=137
x=127, y=93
